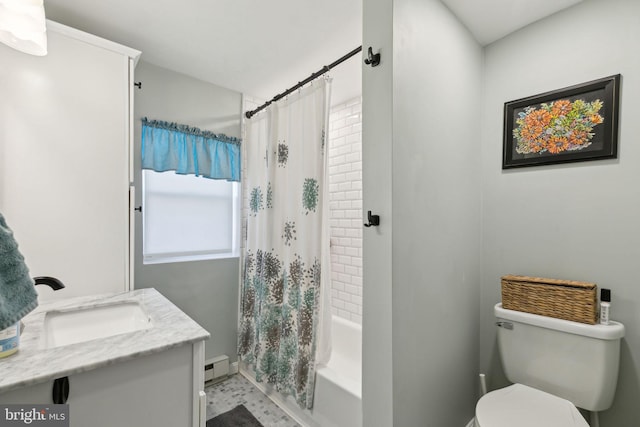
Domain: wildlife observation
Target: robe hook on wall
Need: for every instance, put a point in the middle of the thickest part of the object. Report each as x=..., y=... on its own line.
x=373, y=58
x=374, y=220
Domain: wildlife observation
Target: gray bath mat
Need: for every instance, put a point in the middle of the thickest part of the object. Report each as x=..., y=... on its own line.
x=237, y=417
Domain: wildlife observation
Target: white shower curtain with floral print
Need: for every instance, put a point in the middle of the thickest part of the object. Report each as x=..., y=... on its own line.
x=286, y=261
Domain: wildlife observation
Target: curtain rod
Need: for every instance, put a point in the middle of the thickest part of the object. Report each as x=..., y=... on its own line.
x=313, y=76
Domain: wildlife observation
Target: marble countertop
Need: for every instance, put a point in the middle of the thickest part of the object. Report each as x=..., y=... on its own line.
x=34, y=363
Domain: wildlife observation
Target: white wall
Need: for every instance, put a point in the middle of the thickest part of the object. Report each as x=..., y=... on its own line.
x=206, y=290
x=576, y=221
x=345, y=208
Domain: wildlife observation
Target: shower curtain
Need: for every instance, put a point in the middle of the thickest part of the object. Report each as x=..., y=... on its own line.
x=286, y=251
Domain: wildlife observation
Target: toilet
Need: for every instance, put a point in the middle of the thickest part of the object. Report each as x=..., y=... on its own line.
x=557, y=366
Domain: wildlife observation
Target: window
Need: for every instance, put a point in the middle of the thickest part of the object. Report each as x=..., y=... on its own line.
x=188, y=218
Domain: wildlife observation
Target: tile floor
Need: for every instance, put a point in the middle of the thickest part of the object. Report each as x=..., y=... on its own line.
x=236, y=390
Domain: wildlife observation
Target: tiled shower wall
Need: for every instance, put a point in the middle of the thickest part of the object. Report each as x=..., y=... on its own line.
x=345, y=205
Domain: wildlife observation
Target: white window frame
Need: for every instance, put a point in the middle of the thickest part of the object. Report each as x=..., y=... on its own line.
x=174, y=257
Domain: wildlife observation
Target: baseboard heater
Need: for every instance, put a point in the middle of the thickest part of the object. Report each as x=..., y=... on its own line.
x=216, y=369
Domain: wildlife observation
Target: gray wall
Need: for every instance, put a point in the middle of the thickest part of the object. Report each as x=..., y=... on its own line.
x=377, y=120
x=436, y=215
x=577, y=221
x=206, y=290
x=433, y=155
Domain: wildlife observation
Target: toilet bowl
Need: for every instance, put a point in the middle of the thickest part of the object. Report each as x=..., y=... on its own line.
x=555, y=366
x=523, y=406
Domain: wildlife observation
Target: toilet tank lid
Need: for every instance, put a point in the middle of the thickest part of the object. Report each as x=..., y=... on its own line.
x=612, y=331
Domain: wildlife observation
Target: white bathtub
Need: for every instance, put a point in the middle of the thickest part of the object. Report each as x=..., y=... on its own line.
x=338, y=393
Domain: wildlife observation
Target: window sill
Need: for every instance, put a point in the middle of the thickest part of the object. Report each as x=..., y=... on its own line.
x=187, y=258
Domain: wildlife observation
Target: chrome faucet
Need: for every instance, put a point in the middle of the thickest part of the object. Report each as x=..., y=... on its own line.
x=52, y=282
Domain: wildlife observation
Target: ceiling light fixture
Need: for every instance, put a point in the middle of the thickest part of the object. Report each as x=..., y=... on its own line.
x=23, y=26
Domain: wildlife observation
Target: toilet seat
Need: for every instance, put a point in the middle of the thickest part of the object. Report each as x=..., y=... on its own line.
x=523, y=406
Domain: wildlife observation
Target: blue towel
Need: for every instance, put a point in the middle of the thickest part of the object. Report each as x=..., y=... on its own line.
x=18, y=294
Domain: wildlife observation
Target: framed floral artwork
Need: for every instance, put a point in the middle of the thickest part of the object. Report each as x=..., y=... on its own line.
x=573, y=124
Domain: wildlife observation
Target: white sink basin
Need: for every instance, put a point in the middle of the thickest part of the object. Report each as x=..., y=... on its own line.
x=70, y=326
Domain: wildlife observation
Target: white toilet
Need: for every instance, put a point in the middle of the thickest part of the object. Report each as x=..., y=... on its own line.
x=556, y=366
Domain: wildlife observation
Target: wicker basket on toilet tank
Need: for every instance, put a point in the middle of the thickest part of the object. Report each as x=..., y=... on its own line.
x=562, y=299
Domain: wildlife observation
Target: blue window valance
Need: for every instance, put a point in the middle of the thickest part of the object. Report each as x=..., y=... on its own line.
x=189, y=150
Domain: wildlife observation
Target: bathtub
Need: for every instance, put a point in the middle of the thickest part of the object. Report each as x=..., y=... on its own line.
x=338, y=391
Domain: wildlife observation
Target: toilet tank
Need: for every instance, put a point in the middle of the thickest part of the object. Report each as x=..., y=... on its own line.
x=575, y=361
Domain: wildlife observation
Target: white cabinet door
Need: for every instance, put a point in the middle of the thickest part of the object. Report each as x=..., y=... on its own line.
x=64, y=163
x=149, y=391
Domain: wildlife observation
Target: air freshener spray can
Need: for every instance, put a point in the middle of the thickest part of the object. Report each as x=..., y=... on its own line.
x=605, y=306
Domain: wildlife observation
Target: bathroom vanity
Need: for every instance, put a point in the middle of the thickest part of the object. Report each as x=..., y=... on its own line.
x=129, y=358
